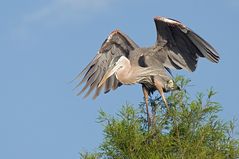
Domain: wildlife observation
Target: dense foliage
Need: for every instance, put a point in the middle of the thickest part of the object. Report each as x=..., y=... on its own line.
x=191, y=129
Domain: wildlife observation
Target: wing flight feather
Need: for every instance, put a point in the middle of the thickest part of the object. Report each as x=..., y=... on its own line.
x=117, y=44
x=181, y=47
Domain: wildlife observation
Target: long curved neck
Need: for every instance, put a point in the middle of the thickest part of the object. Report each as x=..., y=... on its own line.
x=130, y=74
x=124, y=74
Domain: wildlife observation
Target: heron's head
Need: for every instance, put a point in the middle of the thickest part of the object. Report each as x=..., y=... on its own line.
x=116, y=64
x=171, y=86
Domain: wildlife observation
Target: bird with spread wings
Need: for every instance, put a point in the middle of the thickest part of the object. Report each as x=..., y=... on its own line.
x=120, y=61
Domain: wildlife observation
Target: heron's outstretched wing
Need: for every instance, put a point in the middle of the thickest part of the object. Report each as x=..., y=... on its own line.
x=179, y=47
x=117, y=44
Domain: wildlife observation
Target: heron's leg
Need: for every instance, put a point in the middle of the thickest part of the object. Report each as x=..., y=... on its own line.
x=159, y=86
x=146, y=99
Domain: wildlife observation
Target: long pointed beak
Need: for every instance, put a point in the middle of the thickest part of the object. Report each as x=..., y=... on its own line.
x=108, y=73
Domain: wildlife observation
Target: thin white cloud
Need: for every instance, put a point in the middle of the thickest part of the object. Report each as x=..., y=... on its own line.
x=65, y=9
x=58, y=11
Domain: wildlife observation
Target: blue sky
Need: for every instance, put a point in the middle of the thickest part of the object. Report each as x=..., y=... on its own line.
x=45, y=44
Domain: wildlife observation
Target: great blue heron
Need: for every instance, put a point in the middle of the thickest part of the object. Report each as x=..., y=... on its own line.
x=121, y=61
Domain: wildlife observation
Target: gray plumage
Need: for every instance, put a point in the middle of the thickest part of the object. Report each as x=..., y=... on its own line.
x=121, y=61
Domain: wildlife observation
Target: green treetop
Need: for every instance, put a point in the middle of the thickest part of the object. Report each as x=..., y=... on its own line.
x=190, y=130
